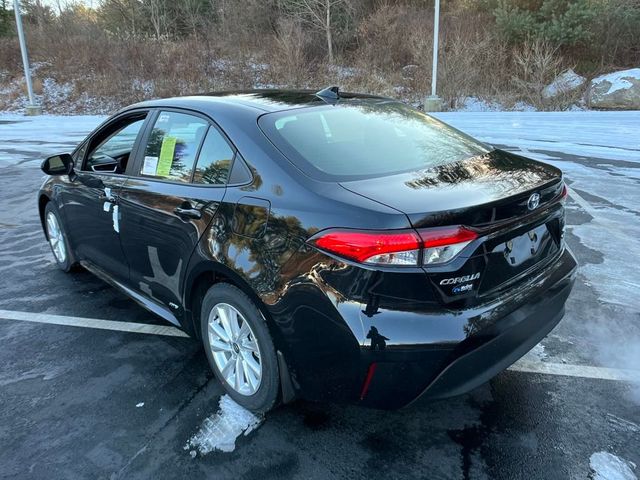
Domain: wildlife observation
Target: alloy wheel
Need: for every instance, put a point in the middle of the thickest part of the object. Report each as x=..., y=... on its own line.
x=235, y=349
x=56, y=239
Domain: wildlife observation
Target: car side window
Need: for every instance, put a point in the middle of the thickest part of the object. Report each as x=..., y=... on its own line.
x=110, y=150
x=214, y=160
x=172, y=146
x=78, y=155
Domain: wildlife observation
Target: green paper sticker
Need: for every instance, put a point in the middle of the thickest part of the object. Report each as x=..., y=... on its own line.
x=166, y=156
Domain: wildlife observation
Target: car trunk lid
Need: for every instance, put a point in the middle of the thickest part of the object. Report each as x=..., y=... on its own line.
x=512, y=202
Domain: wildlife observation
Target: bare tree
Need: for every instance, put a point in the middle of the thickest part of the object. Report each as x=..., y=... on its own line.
x=37, y=12
x=122, y=15
x=319, y=14
x=193, y=14
x=157, y=14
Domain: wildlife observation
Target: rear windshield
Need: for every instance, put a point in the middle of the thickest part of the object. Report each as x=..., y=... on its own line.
x=362, y=140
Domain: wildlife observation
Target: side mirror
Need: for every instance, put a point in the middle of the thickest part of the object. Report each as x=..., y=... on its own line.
x=58, y=165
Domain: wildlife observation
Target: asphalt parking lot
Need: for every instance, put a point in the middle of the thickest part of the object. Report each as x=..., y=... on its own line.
x=78, y=402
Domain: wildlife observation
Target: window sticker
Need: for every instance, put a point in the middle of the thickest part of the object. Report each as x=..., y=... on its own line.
x=164, y=117
x=150, y=166
x=166, y=156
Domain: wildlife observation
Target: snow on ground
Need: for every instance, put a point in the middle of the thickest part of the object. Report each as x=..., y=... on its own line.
x=220, y=430
x=606, y=466
x=62, y=98
x=475, y=104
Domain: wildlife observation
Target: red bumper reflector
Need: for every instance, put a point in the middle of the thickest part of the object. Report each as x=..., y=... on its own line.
x=367, y=380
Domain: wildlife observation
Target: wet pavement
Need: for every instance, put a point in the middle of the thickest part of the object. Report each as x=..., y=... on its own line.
x=69, y=395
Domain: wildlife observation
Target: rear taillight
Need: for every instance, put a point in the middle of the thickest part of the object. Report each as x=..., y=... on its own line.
x=429, y=246
x=565, y=193
x=390, y=248
x=444, y=244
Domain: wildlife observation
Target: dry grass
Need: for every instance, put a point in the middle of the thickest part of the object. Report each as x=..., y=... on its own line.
x=102, y=72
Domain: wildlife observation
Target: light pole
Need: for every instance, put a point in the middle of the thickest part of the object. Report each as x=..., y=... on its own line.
x=433, y=103
x=32, y=108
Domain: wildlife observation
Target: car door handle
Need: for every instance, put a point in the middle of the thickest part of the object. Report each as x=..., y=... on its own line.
x=108, y=198
x=188, y=212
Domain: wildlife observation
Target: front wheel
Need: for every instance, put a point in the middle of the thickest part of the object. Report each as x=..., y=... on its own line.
x=57, y=238
x=239, y=347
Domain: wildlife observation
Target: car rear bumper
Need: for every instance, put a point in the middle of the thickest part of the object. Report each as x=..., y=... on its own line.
x=385, y=352
x=435, y=370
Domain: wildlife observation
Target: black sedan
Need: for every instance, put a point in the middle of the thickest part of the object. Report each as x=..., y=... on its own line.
x=329, y=246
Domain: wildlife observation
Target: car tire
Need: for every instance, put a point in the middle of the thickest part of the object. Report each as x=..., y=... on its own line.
x=236, y=354
x=57, y=238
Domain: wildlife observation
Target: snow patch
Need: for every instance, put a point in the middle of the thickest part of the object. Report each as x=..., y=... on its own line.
x=343, y=72
x=220, y=430
x=536, y=354
x=566, y=82
x=622, y=423
x=146, y=87
x=606, y=466
x=618, y=80
x=523, y=107
x=475, y=104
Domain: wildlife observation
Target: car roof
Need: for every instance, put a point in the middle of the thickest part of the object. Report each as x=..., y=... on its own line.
x=261, y=101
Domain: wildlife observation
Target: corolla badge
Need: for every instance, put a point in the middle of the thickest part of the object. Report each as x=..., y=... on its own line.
x=534, y=201
x=454, y=280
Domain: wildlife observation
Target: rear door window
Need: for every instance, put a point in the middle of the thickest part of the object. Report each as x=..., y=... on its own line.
x=214, y=160
x=173, y=146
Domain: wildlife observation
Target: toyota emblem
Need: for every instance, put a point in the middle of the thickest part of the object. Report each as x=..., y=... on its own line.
x=534, y=201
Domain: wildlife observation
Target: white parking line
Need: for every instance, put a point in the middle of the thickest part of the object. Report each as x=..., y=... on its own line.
x=545, y=368
x=586, y=206
x=582, y=371
x=604, y=222
x=92, y=323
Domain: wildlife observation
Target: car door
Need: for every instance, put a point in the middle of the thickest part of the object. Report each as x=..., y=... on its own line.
x=91, y=200
x=179, y=182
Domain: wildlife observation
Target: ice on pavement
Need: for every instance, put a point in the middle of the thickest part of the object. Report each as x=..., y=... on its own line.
x=536, y=354
x=613, y=189
x=611, y=135
x=606, y=466
x=27, y=138
x=220, y=430
x=599, y=153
